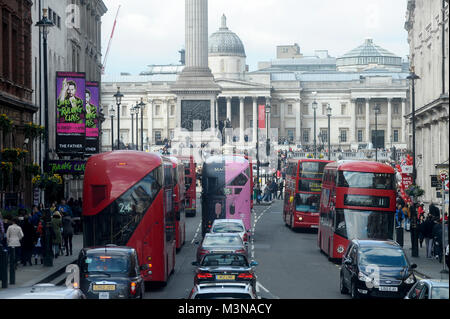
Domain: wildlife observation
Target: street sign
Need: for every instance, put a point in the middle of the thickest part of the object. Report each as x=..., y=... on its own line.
x=407, y=169
x=443, y=175
x=436, y=182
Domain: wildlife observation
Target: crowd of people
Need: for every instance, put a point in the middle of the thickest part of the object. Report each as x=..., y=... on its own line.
x=24, y=235
x=273, y=189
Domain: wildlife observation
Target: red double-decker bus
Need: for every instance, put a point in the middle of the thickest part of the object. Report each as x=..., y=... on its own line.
x=179, y=202
x=128, y=201
x=190, y=181
x=358, y=201
x=302, y=192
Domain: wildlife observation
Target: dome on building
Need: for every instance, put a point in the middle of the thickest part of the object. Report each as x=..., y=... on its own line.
x=368, y=55
x=225, y=42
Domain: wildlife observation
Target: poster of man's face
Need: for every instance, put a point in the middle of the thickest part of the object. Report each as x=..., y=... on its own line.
x=71, y=90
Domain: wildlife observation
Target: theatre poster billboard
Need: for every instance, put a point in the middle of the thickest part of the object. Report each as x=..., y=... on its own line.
x=70, y=112
x=92, y=117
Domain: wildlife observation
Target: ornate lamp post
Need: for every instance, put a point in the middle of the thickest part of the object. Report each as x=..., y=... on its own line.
x=136, y=110
x=44, y=27
x=142, y=106
x=314, y=106
x=118, y=96
x=132, y=111
x=268, y=109
x=112, y=114
x=377, y=111
x=329, y=110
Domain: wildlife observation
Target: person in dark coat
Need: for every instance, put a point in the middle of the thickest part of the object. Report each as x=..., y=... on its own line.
x=434, y=211
x=27, y=240
x=68, y=225
x=437, y=239
x=428, y=234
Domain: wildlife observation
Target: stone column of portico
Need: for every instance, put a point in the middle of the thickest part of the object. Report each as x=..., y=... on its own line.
x=167, y=115
x=404, y=131
x=367, y=120
x=255, y=118
x=282, y=123
x=216, y=110
x=229, y=108
x=241, y=119
x=298, y=121
x=389, y=122
x=353, y=130
x=150, y=121
x=213, y=114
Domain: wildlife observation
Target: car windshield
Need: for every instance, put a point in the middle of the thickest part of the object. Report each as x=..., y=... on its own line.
x=439, y=293
x=228, y=228
x=229, y=295
x=222, y=241
x=106, y=264
x=382, y=257
x=224, y=260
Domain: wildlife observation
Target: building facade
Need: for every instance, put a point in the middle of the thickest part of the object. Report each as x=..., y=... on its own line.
x=427, y=26
x=352, y=85
x=16, y=104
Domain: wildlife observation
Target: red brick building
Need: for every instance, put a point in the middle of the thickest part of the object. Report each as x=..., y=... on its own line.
x=16, y=95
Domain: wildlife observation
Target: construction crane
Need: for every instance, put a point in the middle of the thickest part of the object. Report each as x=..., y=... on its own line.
x=110, y=41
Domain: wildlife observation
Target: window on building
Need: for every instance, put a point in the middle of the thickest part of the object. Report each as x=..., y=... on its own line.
x=275, y=110
x=343, y=135
x=157, y=110
x=360, y=109
x=305, y=109
x=324, y=108
x=172, y=110
x=395, y=136
x=157, y=135
x=324, y=135
x=306, y=134
x=124, y=110
x=343, y=109
x=290, y=135
x=395, y=109
x=360, y=136
x=290, y=109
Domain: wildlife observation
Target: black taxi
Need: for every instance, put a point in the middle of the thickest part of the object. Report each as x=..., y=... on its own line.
x=110, y=272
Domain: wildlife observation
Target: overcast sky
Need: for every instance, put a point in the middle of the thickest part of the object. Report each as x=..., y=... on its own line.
x=152, y=31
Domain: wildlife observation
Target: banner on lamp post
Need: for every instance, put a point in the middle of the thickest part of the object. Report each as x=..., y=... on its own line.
x=262, y=116
x=92, y=117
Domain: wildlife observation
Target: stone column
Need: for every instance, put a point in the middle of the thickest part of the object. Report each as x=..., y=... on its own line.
x=282, y=115
x=298, y=121
x=150, y=121
x=167, y=110
x=255, y=118
x=404, y=130
x=353, y=129
x=213, y=113
x=368, y=121
x=197, y=34
x=229, y=108
x=389, y=122
x=241, y=119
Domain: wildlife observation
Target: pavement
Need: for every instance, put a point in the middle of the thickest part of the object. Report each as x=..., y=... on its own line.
x=27, y=276
x=426, y=268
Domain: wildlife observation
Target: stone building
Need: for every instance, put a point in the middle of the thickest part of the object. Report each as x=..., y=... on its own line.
x=16, y=103
x=427, y=26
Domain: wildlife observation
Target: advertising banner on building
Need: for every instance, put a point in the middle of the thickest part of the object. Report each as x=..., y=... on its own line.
x=66, y=167
x=70, y=112
x=262, y=116
x=92, y=120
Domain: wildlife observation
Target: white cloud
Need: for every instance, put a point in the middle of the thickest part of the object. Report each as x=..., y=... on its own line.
x=152, y=31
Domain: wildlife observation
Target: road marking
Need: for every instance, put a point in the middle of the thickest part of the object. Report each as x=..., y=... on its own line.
x=196, y=233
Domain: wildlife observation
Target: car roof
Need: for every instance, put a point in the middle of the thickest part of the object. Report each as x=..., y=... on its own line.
x=222, y=235
x=41, y=291
x=376, y=243
x=109, y=250
x=436, y=282
x=223, y=288
x=217, y=221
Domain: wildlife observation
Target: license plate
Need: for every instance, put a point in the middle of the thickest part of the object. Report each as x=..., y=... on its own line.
x=392, y=289
x=103, y=295
x=104, y=287
x=225, y=277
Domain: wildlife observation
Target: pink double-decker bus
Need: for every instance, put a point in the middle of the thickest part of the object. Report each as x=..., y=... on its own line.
x=226, y=189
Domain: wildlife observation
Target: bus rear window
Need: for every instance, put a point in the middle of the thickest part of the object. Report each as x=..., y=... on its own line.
x=312, y=169
x=366, y=180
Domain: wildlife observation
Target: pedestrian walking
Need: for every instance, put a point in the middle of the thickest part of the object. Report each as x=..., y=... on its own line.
x=14, y=235
x=57, y=237
x=420, y=229
x=428, y=235
x=274, y=189
x=64, y=208
x=27, y=241
x=434, y=211
x=280, y=189
x=68, y=230
x=399, y=217
x=38, y=252
x=407, y=214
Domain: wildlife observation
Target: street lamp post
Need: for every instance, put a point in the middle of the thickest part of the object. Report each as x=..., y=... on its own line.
x=44, y=27
x=118, y=96
x=329, y=110
x=132, y=125
x=112, y=113
x=142, y=106
x=268, y=109
x=414, y=238
x=377, y=111
x=136, y=109
x=314, y=106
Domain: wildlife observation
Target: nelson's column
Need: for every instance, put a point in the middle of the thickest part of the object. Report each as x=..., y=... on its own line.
x=195, y=88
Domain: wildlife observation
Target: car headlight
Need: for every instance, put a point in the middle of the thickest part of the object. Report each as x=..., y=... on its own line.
x=364, y=277
x=410, y=280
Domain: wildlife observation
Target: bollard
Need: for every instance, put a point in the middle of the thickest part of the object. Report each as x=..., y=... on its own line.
x=4, y=267
x=12, y=266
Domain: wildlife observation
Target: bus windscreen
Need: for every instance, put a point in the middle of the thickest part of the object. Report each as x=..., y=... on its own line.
x=366, y=180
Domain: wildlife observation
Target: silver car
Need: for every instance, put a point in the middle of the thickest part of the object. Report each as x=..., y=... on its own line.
x=221, y=243
x=222, y=291
x=42, y=291
x=429, y=289
x=234, y=226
